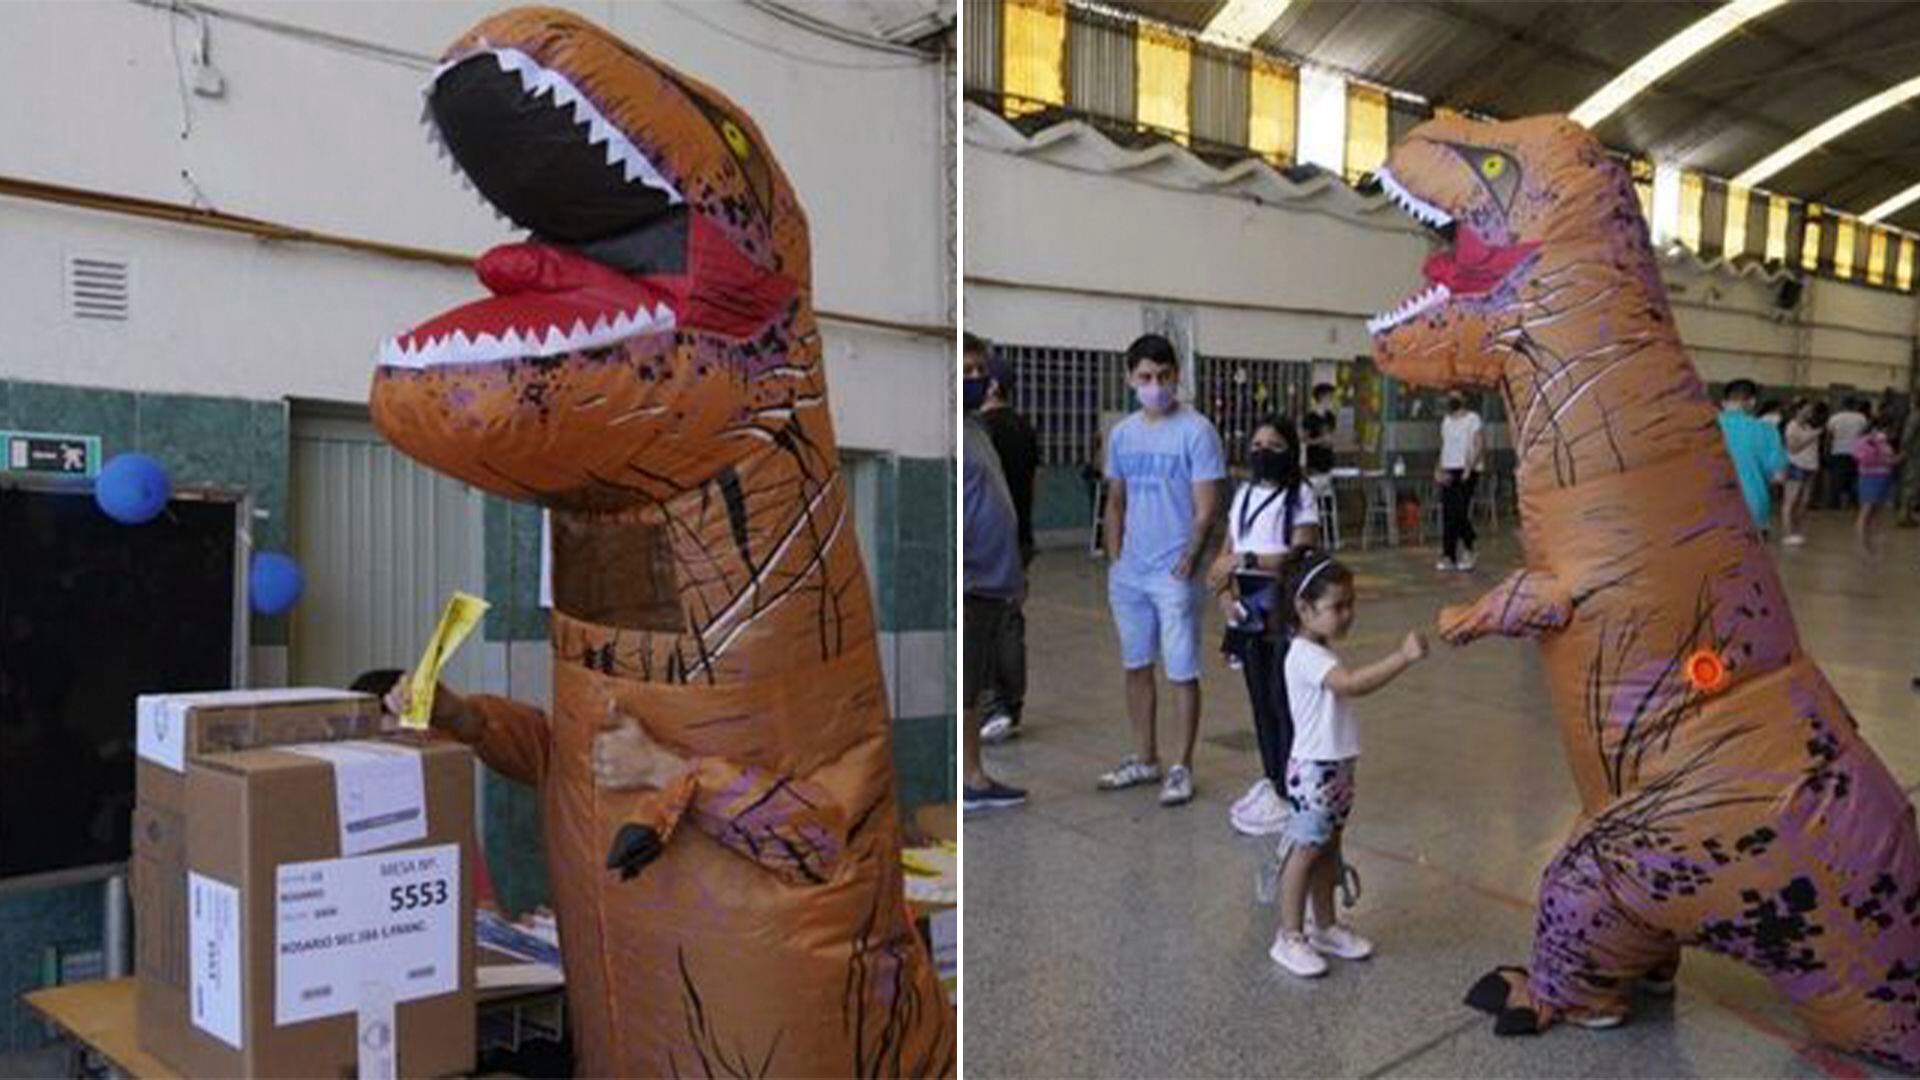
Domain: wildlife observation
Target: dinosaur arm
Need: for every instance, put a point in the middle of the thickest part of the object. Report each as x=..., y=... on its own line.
x=511, y=737
x=1527, y=604
x=787, y=825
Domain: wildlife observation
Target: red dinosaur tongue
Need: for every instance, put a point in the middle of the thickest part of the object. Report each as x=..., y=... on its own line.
x=1473, y=266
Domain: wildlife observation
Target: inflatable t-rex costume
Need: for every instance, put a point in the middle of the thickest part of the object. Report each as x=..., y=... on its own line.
x=1729, y=801
x=649, y=368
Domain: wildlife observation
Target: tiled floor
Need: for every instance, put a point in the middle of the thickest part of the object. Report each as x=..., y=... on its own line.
x=1105, y=936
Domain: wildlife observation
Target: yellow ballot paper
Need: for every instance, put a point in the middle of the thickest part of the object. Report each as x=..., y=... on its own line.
x=462, y=614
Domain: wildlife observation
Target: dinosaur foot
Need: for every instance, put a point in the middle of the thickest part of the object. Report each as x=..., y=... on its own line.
x=1502, y=994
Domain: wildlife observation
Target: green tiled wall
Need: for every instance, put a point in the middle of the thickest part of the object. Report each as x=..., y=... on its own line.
x=202, y=440
x=1061, y=499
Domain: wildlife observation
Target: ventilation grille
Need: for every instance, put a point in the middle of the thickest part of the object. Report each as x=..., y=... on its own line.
x=99, y=287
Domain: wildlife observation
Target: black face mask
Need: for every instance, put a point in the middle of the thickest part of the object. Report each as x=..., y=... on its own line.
x=1269, y=466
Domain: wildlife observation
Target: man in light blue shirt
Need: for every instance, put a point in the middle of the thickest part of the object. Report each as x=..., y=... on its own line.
x=1759, y=457
x=1164, y=470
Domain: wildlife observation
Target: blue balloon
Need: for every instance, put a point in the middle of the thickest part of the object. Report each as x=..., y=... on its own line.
x=274, y=583
x=133, y=489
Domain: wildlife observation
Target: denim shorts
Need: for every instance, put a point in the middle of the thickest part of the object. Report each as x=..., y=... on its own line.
x=1874, y=489
x=1799, y=475
x=1158, y=616
x=1321, y=794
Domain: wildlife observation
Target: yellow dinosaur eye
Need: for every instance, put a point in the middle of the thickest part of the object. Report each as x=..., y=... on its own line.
x=736, y=139
x=1492, y=166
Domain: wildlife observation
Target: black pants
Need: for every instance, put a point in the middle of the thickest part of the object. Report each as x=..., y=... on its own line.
x=1264, y=665
x=1006, y=680
x=1456, y=513
x=1843, y=474
x=984, y=621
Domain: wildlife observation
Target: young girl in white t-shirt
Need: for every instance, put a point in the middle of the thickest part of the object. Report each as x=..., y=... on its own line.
x=1272, y=514
x=1326, y=744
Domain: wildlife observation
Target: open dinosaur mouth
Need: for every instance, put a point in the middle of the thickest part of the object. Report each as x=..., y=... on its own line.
x=1467, y=267
x=611, y=235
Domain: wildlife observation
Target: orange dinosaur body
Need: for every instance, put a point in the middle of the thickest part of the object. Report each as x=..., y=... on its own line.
x=1728, y=799
x=649, y=368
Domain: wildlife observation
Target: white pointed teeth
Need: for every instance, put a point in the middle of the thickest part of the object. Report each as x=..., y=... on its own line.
x=520, y=344
x=1425, y=300
x=1411, y=203
x=539, y=82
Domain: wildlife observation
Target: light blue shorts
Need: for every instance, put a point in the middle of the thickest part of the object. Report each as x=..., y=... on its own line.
x=1157, y=615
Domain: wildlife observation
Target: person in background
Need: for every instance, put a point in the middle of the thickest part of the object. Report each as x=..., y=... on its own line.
x=1803, y=469
x=1759, y=458
x=992, y=577
x=1463, y=453
x=1876, y=459
x=1019, y=450
x=1317, y=430
x=1770, y=412
x=1270, y=515
x=1164, y=468
x=1910, y=468
x=1844, y=429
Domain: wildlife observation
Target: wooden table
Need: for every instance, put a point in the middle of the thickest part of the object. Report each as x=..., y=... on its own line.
x=100, y=1018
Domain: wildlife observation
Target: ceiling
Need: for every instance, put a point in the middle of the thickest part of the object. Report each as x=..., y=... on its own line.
x=1727, y=108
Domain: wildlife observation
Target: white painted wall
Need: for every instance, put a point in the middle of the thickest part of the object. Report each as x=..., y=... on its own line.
x=1067, y=257
x=330, y=140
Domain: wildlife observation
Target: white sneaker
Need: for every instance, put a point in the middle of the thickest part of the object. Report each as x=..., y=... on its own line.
x=1131, y=772
x=1444, y=564
x=1468, y=562
x=1255, y=794
x=1339, y=941
x=998, y=729
x=1794, y=540
x=1261, y=813
x=1178, y=789
x=1292, y=952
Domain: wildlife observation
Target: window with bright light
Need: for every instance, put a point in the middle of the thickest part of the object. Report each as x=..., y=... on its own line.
x=1272, y=103
x=1903, y=276
x=1877, y=257
x=1735, y=242
x=1163, y=64
x=1033, y=49
x=1843, y=236
x=1323, y=119
x=1642, y=172
x=1810, y=240
x=1366, y=131
x=1779, y=211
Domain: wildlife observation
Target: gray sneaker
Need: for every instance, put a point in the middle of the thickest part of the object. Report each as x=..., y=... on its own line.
x=998, y=729
x=1178, y=790
x=1131, y=773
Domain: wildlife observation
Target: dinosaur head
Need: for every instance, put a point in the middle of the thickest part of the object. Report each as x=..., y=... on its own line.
x=654, y=326
x=1508, y=202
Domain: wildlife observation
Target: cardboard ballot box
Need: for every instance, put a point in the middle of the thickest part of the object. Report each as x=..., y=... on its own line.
x=329, y=912
x=173, y=730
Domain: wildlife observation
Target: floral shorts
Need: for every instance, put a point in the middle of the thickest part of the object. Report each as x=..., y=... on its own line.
x=1321, y=794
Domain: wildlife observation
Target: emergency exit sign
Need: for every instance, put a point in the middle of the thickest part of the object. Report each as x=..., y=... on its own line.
x=41, y=452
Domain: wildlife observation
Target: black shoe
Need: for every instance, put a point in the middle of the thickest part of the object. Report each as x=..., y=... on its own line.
x=995, y=796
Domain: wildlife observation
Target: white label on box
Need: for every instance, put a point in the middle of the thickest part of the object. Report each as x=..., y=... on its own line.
x=161, y=736
x=379, y=789
x=377, y=1056
x=213, y=935
x=394, y=917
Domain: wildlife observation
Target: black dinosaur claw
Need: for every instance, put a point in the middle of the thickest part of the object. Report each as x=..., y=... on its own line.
x=1516, y=1022
x=634, y=846
x=1489, y=995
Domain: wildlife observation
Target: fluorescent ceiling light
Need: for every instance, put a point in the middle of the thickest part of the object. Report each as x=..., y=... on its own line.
x=1894, y=205
x=1831, y=130
x=1670, y=54
x=1242, y=22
